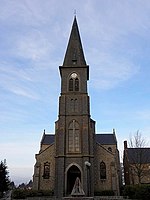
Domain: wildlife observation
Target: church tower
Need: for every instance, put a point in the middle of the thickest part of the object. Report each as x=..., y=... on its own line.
x=74, y=130
x=75, y=152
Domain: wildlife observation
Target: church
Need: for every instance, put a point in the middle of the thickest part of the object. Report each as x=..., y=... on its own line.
x=75, y=150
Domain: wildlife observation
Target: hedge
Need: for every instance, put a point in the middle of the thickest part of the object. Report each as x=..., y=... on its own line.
x=23, y=193
x=141, y=192
x=104, y=193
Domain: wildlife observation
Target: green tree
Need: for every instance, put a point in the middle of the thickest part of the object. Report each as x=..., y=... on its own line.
x=4, y=178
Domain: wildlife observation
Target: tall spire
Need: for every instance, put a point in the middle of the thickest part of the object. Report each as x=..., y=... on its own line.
x=74, y=55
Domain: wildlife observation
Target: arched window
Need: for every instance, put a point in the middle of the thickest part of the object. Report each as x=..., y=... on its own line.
x=46, y=172
x=71, y=84
x=102, y=170
x=74, y=82
x=73, y=137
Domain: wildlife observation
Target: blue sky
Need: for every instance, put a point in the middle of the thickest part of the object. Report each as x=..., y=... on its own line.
x=33, y=39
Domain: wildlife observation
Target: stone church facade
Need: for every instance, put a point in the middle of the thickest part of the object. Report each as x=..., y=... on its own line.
x=75, y=150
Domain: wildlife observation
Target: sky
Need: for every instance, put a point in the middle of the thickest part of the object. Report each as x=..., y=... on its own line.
x=34, y=35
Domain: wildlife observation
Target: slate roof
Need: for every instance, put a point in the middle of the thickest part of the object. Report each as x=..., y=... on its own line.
x=107, y=139
x=138, y=155
x=48, y=139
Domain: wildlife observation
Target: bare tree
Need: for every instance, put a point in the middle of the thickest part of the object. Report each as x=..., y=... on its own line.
x=137, y=141
x=138, y=156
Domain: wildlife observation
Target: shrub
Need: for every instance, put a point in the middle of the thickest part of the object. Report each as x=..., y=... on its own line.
x=33, y=193
x=19, y=194
x=23, y=193
x=129, y=191
x=141, y=192
x=47, y=193
x=104, y=193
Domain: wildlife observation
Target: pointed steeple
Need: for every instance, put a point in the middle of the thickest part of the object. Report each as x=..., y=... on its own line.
x=74, y=55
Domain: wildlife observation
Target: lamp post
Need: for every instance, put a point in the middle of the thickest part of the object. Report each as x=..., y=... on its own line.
x=88, y=164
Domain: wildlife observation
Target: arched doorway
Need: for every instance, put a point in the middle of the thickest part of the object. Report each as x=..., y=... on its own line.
x=72, y=174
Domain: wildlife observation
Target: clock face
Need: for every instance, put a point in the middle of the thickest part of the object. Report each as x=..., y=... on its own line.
x=73, y=75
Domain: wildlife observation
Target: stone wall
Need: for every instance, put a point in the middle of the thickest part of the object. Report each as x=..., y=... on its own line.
x=47, y=155
x=110, y=159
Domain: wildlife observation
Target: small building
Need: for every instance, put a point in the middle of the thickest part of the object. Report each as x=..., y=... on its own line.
x=136, y=162
x=75, y=150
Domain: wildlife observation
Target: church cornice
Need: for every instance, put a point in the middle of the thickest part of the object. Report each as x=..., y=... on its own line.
x=75, y=67
x=69, y=115
x=74, y=93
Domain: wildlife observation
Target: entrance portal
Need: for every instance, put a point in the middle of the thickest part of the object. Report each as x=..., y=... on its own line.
x=72, y=174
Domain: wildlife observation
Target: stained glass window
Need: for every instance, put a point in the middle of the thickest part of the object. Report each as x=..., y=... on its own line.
x=102, y=170
x=46, y=173
x=73, y=137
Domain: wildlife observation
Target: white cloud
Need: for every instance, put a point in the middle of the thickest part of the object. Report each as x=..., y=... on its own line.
x=110, y=72
x=34, y=46
x=15, y=80
x=117, y=33
x=25, y=12
x=23, y=92
x=37, y=43
x=111, y=19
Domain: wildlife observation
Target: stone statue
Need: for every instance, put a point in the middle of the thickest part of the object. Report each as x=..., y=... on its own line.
x=77, y=189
